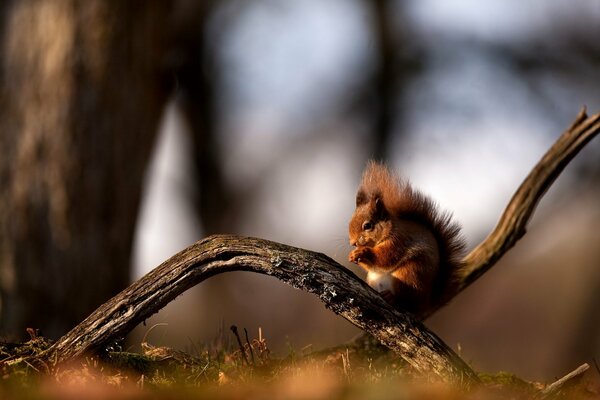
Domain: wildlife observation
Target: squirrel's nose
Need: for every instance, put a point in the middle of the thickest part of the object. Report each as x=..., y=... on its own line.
x=352, y=243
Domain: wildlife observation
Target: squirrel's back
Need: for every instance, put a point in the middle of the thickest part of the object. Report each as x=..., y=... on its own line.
x=404, y=202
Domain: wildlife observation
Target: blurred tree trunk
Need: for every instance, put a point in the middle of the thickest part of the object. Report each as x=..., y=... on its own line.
x=394, y=64
x=386, y=77
x=197, y=76
x=81, y=95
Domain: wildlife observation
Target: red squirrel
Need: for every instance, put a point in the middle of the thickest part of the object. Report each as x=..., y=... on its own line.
x=410, y=250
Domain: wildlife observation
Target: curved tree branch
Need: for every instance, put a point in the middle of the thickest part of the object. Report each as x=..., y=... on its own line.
x=340, y=290
x=513, y=223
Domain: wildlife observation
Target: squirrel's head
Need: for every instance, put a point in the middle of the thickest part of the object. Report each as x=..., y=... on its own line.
x=370, y=222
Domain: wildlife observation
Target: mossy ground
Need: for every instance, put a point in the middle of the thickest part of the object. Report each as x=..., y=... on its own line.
x=360, y=370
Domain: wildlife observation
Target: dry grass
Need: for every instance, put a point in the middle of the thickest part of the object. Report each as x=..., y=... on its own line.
x=361, y=370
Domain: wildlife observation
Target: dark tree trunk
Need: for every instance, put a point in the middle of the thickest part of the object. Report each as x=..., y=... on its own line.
x=198, y=76
x=386, y=77
x=81, y=94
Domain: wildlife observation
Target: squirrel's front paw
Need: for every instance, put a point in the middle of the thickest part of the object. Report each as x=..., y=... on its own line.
x=360, y=255
x=388, y=296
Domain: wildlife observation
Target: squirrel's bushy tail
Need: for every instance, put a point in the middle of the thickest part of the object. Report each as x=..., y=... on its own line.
x=405, y=202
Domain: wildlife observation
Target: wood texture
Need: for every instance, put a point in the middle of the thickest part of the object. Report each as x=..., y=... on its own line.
x=341, y=291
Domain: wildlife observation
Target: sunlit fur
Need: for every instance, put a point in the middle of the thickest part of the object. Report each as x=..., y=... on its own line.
x=408, y=239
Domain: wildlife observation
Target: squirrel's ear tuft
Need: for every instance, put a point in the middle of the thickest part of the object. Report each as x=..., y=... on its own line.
x=379, y=207
x=361, y=198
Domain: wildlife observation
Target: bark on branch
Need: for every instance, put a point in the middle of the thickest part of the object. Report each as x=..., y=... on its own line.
x=340, y=290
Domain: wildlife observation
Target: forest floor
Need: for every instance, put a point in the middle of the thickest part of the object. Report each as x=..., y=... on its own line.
x=362, y=369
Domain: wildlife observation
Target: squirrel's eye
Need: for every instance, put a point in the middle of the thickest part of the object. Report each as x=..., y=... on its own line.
x=367, y=226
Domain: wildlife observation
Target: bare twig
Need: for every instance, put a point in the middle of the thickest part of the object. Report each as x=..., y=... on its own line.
x=571, y=377
x=513, y=223
x=234, y=329
x=249, y=347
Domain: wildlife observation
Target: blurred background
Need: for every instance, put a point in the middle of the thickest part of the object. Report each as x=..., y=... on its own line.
x=129, y=130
